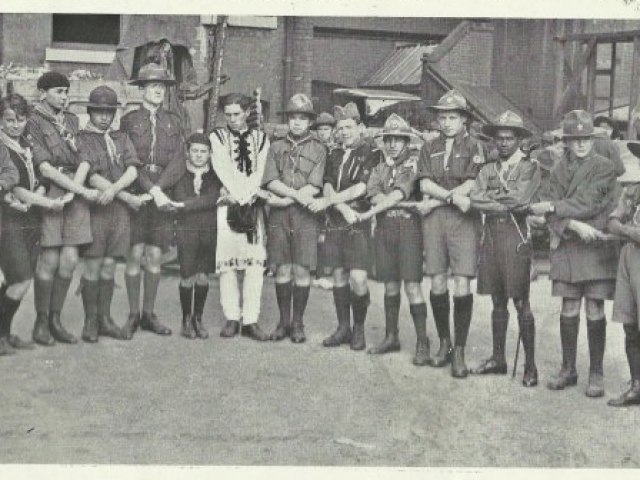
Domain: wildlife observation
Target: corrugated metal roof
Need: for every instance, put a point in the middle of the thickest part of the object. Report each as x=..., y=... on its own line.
x=402, y=67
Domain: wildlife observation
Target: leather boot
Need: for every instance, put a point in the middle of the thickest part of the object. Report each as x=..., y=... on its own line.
x=149, y=321
x=440, y=306
x=359, y=305
x=419, y=315
x=497, y=363
x=299, y=304
x=630, y=397
x=9, y=307
x=297, y=332
x=201, y=332
x=5, y=347
x=106, y=325
x=632, y=349
x=90, y=329
x=186, y=302
x=41, y=333
x=283, y=296
x=597, y=334
x=58, y=331
x=188, y=331
x=90, y=292
x=458, y=366
x=391, y=342
x=567, y=376
x=341, y=299
x=230, y=329
x=527, y=325
x=199, y=298
x=131, y=325
x=108, y=328
x=462, y=310
x=255, y=332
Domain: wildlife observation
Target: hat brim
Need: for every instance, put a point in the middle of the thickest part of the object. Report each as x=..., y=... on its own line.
x=443, y=108
x=491, y=130
x=140, y=82
x=396, y=133
x=321, y=124
x=313, y=115
x=96, y=106
x=634, y=147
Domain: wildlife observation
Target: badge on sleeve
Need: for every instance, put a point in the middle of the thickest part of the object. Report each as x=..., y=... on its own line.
x=478, y=158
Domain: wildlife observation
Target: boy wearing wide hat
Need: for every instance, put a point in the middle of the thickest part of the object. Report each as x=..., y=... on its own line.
x=449, y=166
x=114, y=168
x=52, y=133
x=346, y=246
x=582, y=192
x=398, y=238
x=504, y=188
x=294, y=170
x=159, y=142
x=324, y=126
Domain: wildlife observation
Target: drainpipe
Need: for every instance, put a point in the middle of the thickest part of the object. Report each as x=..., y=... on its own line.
x=287, y=74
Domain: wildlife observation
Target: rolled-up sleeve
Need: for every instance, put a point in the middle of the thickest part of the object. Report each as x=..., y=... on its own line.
x=271, y=170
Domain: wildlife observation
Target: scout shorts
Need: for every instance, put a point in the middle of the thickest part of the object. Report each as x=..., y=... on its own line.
x=501, y=269
x=19, y=245
x=196, y=251
x=293, y=237
x=398, y=246
x=111, y=231
x=451, y=240
x=347, y=247
x=151, y=227
x=625, y=303
x=70, y=227
x=594, y=289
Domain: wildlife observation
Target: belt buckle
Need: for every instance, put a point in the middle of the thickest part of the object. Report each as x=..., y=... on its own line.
x=152, y=167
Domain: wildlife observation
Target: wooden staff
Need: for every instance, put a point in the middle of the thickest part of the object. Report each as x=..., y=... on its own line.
x=216, y=73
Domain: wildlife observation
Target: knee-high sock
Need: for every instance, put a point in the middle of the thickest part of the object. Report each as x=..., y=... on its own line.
x=359, y=305
x=419, y=314
x=300, y=298
x=9, y=307
x=200, y=293
x=283, y=296
x=341, y=299
x=90, y=294
x=105, y=296
x=569, y=327
x=440, y=306
x=462, y=310
x=151, y=282
x=391, y=313
x=597, y=336
x=499, y=324
x=59, y=293
x=251, y=294
x=42, y=294
x=632, y=348
x=133, y=291
x=230, y=295
x=528, y=336
x=186, y=300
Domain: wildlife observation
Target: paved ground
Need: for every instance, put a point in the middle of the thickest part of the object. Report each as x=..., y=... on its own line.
x=217, y=402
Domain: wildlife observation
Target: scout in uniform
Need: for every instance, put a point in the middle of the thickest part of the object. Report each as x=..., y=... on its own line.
x=294, y=170
x=114, y=168
x=52, y=132
x=195, y=196
x=448, y=168
x=504, y=188
x=347, y=240
x=398, y=239
x=239, y=158
x=625, y=222
x=324, y=126
x=581, y=194
x=16, y=234
x=159, y=142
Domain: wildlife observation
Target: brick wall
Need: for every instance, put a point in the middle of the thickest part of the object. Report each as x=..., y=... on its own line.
x=470, y=59
x=25, y=37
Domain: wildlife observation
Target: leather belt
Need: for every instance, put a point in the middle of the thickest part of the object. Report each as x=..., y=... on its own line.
x=152, y=167
x=397, y=213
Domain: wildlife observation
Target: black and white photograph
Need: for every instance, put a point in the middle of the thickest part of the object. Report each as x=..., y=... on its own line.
x=351, y=236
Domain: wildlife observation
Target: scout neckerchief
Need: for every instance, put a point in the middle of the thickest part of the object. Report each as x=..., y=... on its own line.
x=508, y=168
x=243, y=154
x=153, y=119
x=345, y=158
x=395, y=165
x=24, y=154
x=198, y=172
x=296, y=147
x=111, y=146
x=58, y=122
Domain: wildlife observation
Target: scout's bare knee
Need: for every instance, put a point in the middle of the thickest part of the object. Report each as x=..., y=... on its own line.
x=283, y=273
x=571, y=307
x=302, y=276
x=594, y=309
x=48, y=262
x=462, y=286
x=17, y=291
x=135, y=259
x=414, y=292
x=153, y=257
x=439, y=284
x=358, y=280
x=68, y=261
x=108, y=269
x=340, y=277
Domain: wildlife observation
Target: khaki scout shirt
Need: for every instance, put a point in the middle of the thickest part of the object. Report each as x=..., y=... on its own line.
x=296, y=163
x=466, y=159
x=628, y=208
x=401, y=176
x=92, y=148
x=48, y=142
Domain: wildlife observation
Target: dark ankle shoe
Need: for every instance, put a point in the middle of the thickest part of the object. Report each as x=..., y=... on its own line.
x=255, y=332
x=421, y=357
x=443, y=357
x=530, y=377
x=595, y=388
x=150, y=322
x=564, y=378
x=341, y=336
x=90, y=330
x=458, y=366
x=391, y=343
x=201, y=332
x=280, y=333
x=187, y=328
x=491, y=366
x=19, y=344
x=230, y=329
x=5, y=348
x=357, y=338
x=58, y=331
x=41, y=332
x=630, y=397
x=297, y=333
x=108, y=328
x=131, y=325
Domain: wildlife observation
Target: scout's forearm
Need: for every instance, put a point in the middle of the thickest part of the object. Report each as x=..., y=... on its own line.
x=432, y=189
x=309, y=190
x=81, y=173
x=279, y=188
x=50, y=173
x=173, y=172
x=127, y=179
x=101, y=183
x=352, y=193
x=31, y=198
x=385, y=202
x=465, y=188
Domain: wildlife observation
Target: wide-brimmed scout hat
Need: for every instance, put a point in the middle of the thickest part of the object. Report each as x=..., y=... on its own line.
x=396, y=126
x=300, y=103
x=103, y=98
x=578, y=124
x=349, y=111
x=152, y=72
x=451, y=101
x=324, y=119
x=507, y=120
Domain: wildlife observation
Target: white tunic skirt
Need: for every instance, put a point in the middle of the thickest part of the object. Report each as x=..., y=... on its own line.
x=234, y=252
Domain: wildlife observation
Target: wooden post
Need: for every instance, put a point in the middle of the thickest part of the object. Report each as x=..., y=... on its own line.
x=216, y=73
x=635, y=89
x=592, y=66
x=560, y=60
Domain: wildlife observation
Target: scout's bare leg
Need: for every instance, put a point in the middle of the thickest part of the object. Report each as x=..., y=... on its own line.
x=441, y=306
x=527, y=326
x=569, y=326
x=597, y=335
x=391, y=342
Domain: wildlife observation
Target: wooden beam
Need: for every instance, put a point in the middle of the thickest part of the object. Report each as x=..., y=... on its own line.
x=574, y=81
x=633, y=94
x=591, y=79
x=625, y=36
x=216, y=73
x=612, y=78
x=562, y=69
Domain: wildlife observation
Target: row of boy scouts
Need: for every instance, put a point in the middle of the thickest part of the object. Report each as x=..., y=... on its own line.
x=105, y=195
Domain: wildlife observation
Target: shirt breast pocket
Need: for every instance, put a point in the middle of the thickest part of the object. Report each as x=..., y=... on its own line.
x=138, y=132
x=306, y=165
x=53, y=142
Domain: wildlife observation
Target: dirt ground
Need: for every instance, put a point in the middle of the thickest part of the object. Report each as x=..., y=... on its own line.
x=172, y=401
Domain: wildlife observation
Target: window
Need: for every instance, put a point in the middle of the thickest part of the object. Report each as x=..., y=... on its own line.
x=87, y=29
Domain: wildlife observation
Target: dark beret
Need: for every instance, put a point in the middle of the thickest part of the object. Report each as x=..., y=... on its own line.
x=52, y=80
x=199, y=138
